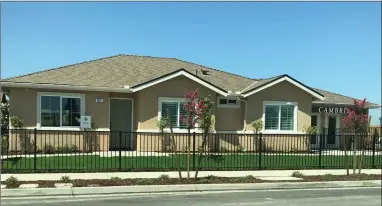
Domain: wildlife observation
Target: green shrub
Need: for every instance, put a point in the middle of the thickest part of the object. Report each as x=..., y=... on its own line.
x=169, y=148
x=297, y=174
x=211, y=177
x=223, y=149
x=11, y=181
x=4, y=144
x=164, y=177
x=58, y=149
x=257, y=125
x=185, y=149
x=240, y=148
x=309, y=130
x=116, y=179
x=49, y=149
x=74, y=148
x=16, y=122
x=65, y=179
x=162, y=123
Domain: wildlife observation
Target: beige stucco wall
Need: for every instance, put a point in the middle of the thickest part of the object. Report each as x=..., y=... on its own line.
x=284, y=91
x=225, y=142
x=23, y=103
x=230, y=119
x=148, y=98
x=23, y=140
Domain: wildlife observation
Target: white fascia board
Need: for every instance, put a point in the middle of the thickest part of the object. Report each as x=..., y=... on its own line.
x=63, y=87
x=157, y=81
x=290, y=81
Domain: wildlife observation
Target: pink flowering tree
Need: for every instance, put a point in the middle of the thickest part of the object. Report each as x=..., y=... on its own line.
x=198, y=113
x=356, y=122
x=189, y=120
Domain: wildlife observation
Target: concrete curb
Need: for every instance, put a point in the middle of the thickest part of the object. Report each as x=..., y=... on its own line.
x=174, y=174
x=181, y=188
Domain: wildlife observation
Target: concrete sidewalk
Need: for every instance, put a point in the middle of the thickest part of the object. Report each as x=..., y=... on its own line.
x=149, y=189
x=174, y=174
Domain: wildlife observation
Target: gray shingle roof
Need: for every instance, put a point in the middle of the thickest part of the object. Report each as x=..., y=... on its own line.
x=121, y=70
x=129, y=70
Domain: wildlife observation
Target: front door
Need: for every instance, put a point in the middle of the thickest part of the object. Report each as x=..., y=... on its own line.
x=121, y=111
x=331, y=135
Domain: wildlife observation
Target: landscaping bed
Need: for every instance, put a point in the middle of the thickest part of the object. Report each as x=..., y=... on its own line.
x=165, y=180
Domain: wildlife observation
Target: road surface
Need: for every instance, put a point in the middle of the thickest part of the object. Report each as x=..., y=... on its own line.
x=297, y=197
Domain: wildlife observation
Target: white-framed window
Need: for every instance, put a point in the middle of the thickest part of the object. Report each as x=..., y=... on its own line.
x=175, y=105
x=280, y=116
x=59, y=110
x=228, y=102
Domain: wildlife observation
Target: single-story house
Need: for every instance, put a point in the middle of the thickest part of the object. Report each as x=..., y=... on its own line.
x=130, y=93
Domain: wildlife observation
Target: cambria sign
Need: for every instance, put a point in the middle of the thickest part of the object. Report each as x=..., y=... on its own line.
x=330, y=110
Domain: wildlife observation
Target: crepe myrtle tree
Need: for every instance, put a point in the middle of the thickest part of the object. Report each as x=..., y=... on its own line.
x=190, y=119
x=205, y=122
x=198, y=114
x=356, y=121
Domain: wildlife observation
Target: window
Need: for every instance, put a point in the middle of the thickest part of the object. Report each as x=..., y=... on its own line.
x=175, y=106
x=228, y=102
x=60, y=110
x=280, y=116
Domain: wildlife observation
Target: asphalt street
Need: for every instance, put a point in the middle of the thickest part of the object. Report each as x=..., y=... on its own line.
x=313, y=197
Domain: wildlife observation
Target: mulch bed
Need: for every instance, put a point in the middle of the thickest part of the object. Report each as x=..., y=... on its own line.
x=203, y=180
x=341, y=177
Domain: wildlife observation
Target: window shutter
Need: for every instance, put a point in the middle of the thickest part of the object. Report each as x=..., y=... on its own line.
x=184, y=114
x=287, y=114
x=272, y=117
x=173, y=107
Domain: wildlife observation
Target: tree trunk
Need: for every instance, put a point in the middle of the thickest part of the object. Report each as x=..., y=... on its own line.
x=204, y=142
x=188, y=153
x=201, y=152
x=177, y=158
x=346, y=160
x=365, y=142
x=354, y=154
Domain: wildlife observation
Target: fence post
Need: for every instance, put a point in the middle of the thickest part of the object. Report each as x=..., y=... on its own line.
x=120, y=150
x=320, y=147
x=35, y=150
x=193, y=149
x=260, y=148
x=373, y=157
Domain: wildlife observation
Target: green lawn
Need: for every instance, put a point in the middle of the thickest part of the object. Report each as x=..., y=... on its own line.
x=224, y=162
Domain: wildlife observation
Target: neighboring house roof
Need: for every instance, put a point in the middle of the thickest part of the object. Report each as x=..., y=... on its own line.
x=138, y=72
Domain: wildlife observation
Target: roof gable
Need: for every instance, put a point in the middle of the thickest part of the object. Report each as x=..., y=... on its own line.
x=264, y=85
x=180, y=72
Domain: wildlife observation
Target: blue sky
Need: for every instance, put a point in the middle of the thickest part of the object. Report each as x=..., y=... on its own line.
x=327, y=45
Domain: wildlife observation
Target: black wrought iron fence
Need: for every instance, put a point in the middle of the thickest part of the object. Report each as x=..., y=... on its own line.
x=85, y=151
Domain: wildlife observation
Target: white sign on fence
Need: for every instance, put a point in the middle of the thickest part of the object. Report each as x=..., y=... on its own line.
x=86, y=122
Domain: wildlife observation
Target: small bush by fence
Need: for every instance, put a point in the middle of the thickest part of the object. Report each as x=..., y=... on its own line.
x=83, y=151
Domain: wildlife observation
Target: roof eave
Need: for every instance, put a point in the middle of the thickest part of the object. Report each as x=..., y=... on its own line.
x=62, y=86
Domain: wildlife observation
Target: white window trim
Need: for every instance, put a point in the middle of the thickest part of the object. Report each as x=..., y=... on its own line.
x=237, y=105
x=172, y=99
x=279, y=131
x=61, y=95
